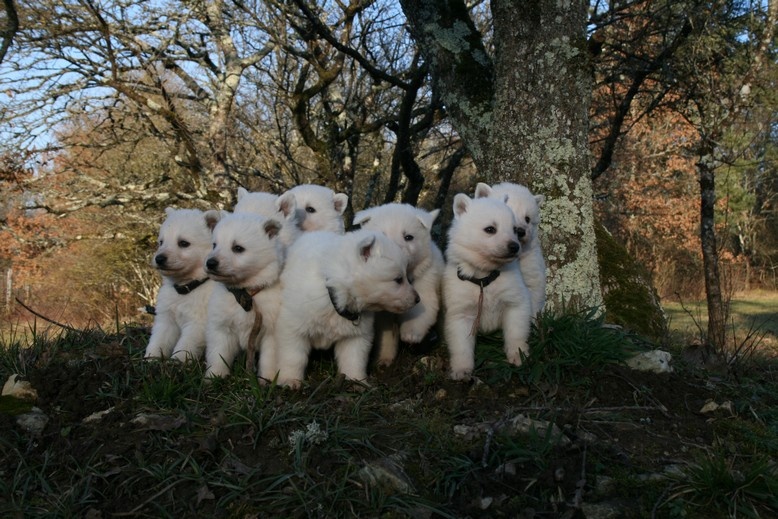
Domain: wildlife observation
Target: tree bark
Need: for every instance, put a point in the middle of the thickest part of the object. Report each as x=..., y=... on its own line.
x=524, y=117
x=717, y=312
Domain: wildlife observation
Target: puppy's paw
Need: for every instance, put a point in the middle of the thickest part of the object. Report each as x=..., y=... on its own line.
x=294, y=383
x=515, y=358
x=412, y=333
x=412, y=338
x=465, y=375
x=384, y=362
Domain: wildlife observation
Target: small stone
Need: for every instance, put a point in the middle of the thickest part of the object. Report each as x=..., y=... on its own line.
x=99, y=415
x=506, y=469
x=33, y=422
x=654, y=361
x=711, y=407
x=485, y=502
x=440, y=394
x=386, y=474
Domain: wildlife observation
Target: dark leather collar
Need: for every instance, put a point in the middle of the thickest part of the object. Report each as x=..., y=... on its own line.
x=344, y=313
x=244, y=297
x=481, y=282
x=189, y=287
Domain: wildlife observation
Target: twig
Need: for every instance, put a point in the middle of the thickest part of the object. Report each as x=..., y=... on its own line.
x=579, y=486
x=149, y=500
x=47, y=319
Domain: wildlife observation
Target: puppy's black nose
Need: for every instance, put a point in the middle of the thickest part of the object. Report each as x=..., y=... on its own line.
x=212, y=264
x=160, y=260
x=514, y=247
x=520, y=232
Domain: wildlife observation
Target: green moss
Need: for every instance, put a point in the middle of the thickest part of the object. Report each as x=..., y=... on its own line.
x=629, y=296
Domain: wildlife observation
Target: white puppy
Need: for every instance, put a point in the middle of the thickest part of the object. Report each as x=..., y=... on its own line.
x=526, y=209
x=331, y=286
x=179, y=325
x=319, y=208
x=409, y=227
x=281, y=208
x=246, y=259
x=482, y=286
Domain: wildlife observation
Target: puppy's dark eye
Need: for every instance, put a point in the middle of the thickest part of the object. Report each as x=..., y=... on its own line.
x=490, y=230
x=310, y=209
x=183, y=244
x=408, y=237
x=214, y=245
x=527, y=219
x=237, y=249
x=160, y=242
x=516, y=231
x=398, y=280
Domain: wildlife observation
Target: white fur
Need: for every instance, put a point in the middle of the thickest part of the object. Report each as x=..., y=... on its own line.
x=409, y=227
x=482, y=239
x=246, y=254
x=366, y=271
x=179, y=325
x=319, y=208
x=526, y=209
x=281, y=208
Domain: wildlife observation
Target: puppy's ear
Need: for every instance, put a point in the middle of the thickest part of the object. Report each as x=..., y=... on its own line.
x=366, y=246
x=272, y=228
x=242, y=191
x=212, y=217
x=461, y=204
x=340, y=201
x=428, y=218
x=287, y=204
x=540, y=199
x=482, y=190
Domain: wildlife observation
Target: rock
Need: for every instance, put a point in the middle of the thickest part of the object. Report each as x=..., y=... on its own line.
x=601, y=511
x=711, y=407
x=520, y=424
x=387, y=474
x=654, y=361
x=99, y=415
x=156, y=422
x=485, y=502
x=33, y=422
x=18, y=388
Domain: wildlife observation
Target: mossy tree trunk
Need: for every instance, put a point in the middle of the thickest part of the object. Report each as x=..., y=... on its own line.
x=523, y=116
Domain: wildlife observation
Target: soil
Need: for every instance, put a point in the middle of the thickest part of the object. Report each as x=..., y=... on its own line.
x=623, y=425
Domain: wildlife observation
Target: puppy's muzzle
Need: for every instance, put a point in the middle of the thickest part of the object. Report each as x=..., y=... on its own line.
x=513, y=248
x=161, y=261
x=212, y=265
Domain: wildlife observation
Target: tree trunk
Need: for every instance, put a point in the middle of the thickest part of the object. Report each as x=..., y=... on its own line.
x=717, y=314
x=540, y=134
x=524, y=117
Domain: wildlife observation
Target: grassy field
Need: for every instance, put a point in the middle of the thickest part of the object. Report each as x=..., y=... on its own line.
x=118, y=436
x=754, y=312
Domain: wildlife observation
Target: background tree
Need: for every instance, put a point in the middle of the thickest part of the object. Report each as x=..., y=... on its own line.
x=724, y=62
x=10, y=26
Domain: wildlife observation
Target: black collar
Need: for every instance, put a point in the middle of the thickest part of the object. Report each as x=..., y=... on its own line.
x=344, y=313
x=481, y=282
x=189, y=287
x=244, y=297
